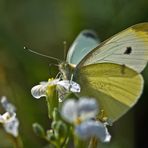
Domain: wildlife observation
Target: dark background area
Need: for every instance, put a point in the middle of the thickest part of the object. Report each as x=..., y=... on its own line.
x=43, y=25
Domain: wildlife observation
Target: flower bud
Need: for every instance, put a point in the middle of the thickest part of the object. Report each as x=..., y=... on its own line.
x=38, y=129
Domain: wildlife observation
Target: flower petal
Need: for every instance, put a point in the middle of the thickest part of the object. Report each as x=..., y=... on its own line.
x=39, y=91
x=53, y=81
x=69, y=85
x=69, y=110
x=12, y=127
x=1, y=119
x=7, y=117
x=92, y=128
x=7, y=106
x=87, y=108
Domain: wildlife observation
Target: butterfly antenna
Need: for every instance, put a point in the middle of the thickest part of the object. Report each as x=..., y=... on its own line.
x=43, y=55
x=65, y=49
x=54, y=65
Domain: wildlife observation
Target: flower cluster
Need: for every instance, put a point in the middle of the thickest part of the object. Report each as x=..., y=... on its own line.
x=9, y=119
x=82, y=114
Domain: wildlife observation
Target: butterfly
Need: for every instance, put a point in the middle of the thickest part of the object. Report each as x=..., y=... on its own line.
x=109, y=71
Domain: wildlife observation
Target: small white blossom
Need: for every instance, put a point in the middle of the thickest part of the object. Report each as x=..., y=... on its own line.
x=82, y=114
x=39, y=91
x=83, y=109
x=8, y=119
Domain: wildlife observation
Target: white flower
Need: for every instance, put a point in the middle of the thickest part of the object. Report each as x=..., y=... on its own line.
x=83, y=109
x=82, y=114
x=39, y=91
x=8, y=119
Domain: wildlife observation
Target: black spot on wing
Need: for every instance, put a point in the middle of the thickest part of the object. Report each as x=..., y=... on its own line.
x=90, y=34
x=128, y=50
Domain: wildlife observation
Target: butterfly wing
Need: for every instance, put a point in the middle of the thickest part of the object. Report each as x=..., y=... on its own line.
x=129, y=47
x=116, y=87
x=84, y=43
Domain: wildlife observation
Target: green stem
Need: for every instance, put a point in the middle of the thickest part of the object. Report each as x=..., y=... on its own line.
x=93, y=143
x=78, y=143
x=17, y=141
x=52, y=100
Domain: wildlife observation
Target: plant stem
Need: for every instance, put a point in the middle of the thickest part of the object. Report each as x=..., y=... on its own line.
x=17, y=141
x=93, y=143
x=79, y=143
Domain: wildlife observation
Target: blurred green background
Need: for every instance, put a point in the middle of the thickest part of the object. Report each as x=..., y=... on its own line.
x=43, y=25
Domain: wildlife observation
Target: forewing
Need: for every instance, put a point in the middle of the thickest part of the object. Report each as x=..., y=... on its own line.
x=116, y=87
x=129, y=47
x=84, y=43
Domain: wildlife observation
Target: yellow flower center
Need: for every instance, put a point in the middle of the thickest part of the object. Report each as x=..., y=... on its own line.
x=77, y=121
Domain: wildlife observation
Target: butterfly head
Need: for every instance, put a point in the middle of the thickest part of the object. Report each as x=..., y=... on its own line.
x=66, y=70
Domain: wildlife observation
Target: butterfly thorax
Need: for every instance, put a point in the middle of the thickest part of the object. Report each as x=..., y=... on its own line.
x=66, y=70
